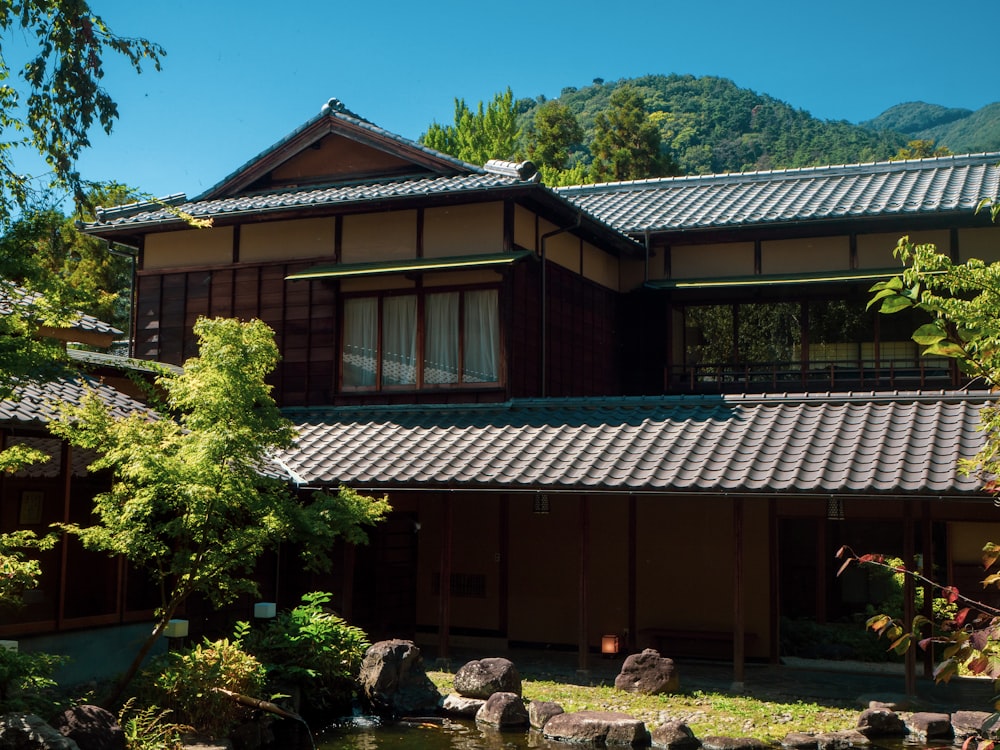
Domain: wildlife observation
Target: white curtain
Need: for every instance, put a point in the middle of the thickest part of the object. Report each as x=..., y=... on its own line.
x=441, y=338
x=399, y=340
x=481, y=355
x=360, y=339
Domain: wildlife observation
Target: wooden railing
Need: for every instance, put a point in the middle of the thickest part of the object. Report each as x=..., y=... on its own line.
x=830, y=375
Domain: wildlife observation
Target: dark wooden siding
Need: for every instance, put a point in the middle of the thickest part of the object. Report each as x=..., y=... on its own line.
x=583, y=350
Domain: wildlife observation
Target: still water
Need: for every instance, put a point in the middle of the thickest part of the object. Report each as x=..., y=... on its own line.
x=462, y=735
x=434, y=734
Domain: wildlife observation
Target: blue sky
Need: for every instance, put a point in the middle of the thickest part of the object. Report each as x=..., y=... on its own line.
x=239, y=76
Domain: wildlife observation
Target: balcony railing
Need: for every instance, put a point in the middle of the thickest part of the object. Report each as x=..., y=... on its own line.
x=819, y=375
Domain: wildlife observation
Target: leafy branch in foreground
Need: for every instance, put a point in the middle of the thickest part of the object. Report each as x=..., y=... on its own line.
x=195, y=498
x=969, y=638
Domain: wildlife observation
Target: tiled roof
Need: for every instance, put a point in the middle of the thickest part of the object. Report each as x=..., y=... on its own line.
x=137, y=215
x=335, y=111
x=34, y=402
x=824, y=444
x=903, y=188
x=12, y=296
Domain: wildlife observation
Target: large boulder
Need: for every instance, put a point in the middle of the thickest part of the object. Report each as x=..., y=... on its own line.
x=648, y=673
x=539, y=712
x=394, y=682
x=29, y=732
x=503, y=710
x=91, y=727
x=458, y=705
x=484, y=677
x=928, y=725
x=968, y=723
x=880, y=722
x=675, y=735
x=597, y=728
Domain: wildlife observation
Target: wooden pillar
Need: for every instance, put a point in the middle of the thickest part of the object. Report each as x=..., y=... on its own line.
x=774, y=575
x=444, y=585
x=822, y=569
x=65, y=458
x=739, y=615
x=909, y=590
x=928, y=573
x=584, y=570
x=633, y=526
x=503, y=564
x=347, y=582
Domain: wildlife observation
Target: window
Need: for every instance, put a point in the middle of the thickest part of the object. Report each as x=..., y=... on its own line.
x=421, y=340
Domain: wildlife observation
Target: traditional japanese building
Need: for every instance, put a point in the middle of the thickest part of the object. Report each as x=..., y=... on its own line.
x=651, y=410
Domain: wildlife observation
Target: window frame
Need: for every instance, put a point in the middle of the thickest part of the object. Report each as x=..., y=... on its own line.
x=421, y=294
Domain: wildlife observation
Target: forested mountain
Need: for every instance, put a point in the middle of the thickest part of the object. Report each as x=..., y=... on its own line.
x=705, y=125
x=961, y=130
x=709, y=125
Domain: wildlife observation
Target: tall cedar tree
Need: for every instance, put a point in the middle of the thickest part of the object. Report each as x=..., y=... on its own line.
x=627, y=144
x=476, y=137
x=554, y=132
x=193, y=497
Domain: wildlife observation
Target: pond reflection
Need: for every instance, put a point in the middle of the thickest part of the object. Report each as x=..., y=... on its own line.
x=434, y=734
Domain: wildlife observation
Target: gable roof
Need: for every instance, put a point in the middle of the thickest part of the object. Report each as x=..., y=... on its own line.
x=868, y=443
x=335, y=119
x=908, y=188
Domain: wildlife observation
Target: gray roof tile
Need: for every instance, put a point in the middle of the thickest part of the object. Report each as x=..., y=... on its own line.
x=917, y=186
x=13, y=296
x=830, y=443
x=150, y=214
x=34, y=402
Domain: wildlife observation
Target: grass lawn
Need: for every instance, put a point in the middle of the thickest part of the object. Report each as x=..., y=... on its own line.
x=705, y=713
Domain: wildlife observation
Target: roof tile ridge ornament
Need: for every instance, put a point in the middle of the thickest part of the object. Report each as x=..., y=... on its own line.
x=525, y=170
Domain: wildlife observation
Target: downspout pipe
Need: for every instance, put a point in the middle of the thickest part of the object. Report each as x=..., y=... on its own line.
x=545, y=300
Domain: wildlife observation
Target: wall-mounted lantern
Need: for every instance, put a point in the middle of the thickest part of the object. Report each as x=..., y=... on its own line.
x=609, y=645
x=265, y=610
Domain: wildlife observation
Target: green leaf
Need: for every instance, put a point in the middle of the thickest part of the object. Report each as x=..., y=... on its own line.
x=929, y=334
x=894, y=304
x=945, y=349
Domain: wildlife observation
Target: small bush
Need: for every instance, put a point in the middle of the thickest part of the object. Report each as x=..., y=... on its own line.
x=26, y=682
x=314, y=649
x=185, y=681
x=150, y=728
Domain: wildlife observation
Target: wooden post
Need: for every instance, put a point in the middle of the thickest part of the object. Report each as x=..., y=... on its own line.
x=66, y=458
x=584, y=566
x=444, y=599
x=909, y=591
x=739, y=625
x=347, y=582
x=633, y=533
x=774, y=568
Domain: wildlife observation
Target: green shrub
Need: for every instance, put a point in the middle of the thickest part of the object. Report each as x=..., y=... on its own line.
x=313, y=649
x=150, y=728
x=185, y=681
x=26, y=682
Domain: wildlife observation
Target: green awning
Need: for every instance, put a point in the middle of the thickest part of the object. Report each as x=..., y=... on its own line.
x=829, y=277
x=411, y=265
